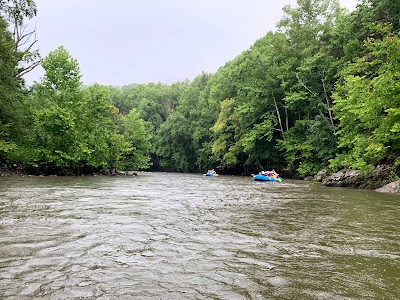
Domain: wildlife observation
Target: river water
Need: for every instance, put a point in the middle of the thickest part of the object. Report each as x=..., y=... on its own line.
x=188, y=236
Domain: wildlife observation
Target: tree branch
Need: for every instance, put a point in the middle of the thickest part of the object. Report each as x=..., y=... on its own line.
x=23, y=71
x=306, y=87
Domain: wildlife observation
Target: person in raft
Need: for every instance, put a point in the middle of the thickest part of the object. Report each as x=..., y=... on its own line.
x=271, y=173
x=211, y=172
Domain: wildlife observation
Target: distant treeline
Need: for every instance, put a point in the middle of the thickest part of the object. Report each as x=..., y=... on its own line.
x=323, y=91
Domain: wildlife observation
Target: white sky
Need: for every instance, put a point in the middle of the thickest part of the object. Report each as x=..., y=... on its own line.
x=129, y=41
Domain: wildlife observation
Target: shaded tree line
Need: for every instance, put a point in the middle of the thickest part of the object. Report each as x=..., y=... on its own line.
x=320, y=92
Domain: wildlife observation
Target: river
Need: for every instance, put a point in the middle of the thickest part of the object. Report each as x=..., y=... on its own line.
x=188, y=236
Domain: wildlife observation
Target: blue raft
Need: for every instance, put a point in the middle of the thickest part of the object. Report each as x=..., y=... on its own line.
x=211, y=174
x=260, y=177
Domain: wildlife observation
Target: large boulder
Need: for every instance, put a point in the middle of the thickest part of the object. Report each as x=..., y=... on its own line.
x=391, y=188
x=356, y=179
x=321, y=175
x=344, y=178
x=379, y=177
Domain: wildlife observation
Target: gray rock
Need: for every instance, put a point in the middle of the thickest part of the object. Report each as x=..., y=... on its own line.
x=391, y=188
x=321, y=175
x=356, y=179
x=343, y=178
x=131, y=173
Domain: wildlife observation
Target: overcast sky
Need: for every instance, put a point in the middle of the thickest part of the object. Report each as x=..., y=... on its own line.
x=129, y=41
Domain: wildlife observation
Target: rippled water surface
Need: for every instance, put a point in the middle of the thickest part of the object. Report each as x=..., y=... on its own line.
x=186, y=236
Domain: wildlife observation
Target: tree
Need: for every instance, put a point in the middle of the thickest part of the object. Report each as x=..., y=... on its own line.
x=16, y=11
x=309, y=81
x=10, y=93
x=225, y=148
x=79, y=130
x=97, y=125
x=138, y=138
x=384, y=11
x=59, y=101
x=367, y=105
x=309, y=145
x=174, y=144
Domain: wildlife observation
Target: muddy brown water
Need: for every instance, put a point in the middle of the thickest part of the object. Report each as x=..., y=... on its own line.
x=188, y=236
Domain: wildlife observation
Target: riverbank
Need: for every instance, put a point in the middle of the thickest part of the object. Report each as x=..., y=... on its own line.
x=12, y=170
x=384, y=178
x=20, y=170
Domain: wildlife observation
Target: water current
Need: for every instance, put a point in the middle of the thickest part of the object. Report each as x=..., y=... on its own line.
x=188, y=236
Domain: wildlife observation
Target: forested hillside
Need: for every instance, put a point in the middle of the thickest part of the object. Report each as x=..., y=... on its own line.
x=323, y=91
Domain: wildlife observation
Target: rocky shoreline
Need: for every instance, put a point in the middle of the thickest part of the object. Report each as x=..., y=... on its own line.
x=12, y=170
x=383, y=179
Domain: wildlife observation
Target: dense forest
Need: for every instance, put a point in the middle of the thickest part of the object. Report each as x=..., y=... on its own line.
x=323, y=91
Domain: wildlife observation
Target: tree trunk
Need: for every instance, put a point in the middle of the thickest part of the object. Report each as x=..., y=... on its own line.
x=327, y=100
x=278, y=115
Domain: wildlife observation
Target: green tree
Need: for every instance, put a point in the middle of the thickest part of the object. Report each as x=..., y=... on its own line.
x=225, y=148
x=138, y=137
x=11, y=94
x=174, y=144
x=367, y=105
x=97, y=125
x=309, y=81
x=58, y=103
x=384, y=11
x=260, y=99
x=308, y=145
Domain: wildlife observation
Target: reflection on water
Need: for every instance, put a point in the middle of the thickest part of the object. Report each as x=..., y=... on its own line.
x=186, y=236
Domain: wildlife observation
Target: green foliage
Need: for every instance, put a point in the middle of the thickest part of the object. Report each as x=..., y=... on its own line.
x=117, y=148
x=135, y=133
x=393, y=177
x=181, y=142
x=5, y=145
x=16, y=10
x=97, y=127
x=62, y=72
x=367, y=105
x=73, y=129
x=175, y=143
x=57, y=101
x=384, y=11
x=225, y=149
x=308, y=145
x=11, y=95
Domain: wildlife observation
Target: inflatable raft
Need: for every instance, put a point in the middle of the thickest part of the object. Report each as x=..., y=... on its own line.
x=260, y=177
x=211, y=174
